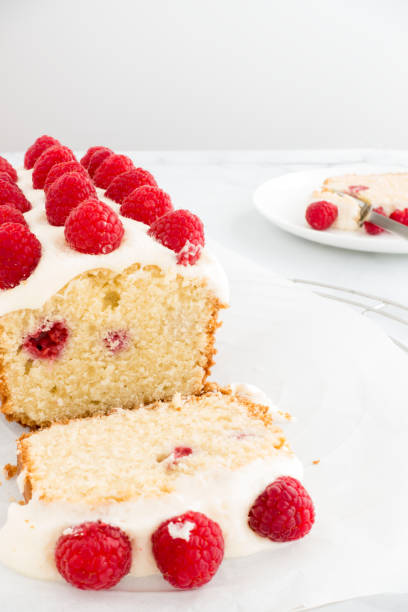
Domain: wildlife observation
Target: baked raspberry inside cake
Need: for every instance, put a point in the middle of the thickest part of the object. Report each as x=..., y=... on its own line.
x=112, y=313
x=148, y=472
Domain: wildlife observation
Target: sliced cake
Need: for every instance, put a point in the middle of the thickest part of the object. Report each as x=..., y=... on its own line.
x=175, y=484
x=105, y=299
x=337, y=204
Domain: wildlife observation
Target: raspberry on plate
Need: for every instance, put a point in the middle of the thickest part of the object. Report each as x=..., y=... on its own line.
x=9, y=214
x=97, y=158
x=51, y=156
x=65, y=194
x=188, y=549
x=371, y=228
x=321, y=215
x=93, y=228
x=145, y=204
x=110, y=168
x=6, y=167
x=126, y=182
x=39, y=146
x=12, y=195
x=93, y=556
x=400, y=215
x=182, y=232
x=87, y=157
x=283, y=512
x=63, y=168
x=20, y=252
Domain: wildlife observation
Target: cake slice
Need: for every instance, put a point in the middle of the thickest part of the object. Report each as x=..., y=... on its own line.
x=387, y=190
x=210, y=456
x=108, y=321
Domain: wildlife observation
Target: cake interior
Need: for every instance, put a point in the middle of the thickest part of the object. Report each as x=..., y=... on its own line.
x=142, y=453
x=128, y=338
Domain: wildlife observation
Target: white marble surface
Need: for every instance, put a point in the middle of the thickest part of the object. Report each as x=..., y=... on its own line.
x=218, y=186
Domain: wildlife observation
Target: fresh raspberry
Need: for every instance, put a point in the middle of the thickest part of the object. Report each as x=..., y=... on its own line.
x=37, y=148
x=94, y=228
x=188, y=549
x=182, y=232
x=51, y=156
x=87, y=157
x=126, y=182
x=283, y=512
x=321, y=215
x=110, y=168
x=93, y=556
x=12, y=195
x=6, y=167
x=63, y=168
x=117, y=341
x=48, y=341
x=371, y=228
x=65, y=194
x=146, y=204
x=20, y=252
x=400, y=215
x=97, y=158
x=6, y=177
x=9, y=214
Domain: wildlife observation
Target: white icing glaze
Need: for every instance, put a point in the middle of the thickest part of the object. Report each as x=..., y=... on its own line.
x=59, y=263
x=27, y=540
x=181, y=530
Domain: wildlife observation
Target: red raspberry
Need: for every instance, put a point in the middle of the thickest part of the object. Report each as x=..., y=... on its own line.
x=87, y=157
x=20, y=252
x=371, y=228
x=48, y=341
x=182, y=232
x=321, y=215
x=188, y=549
x=117, y=341
x=51, y=156
x=6, y=167
x=97, y=158
x=63, y=168
x=93, y=556
x=9, y=214
x=126, y=182
x=146, y=204
x=65, y=194
x=6, y=177
x=400, y=215
x=94, y=228
x=39, y=146
x=110, y=168
x=283, y=512
x=12, y=195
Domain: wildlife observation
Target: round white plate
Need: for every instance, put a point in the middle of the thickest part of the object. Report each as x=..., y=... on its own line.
x=283, y=201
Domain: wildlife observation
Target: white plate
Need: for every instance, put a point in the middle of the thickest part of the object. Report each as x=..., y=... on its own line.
x=283, y=201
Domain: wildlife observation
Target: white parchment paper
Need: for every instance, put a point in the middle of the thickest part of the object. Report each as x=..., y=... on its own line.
x=345, y=381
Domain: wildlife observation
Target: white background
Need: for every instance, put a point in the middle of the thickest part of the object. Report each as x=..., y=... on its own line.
x=197, y=74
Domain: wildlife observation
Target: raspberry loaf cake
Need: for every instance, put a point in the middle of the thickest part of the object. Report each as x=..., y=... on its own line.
x=171, y=487
x=336, y=204
x=107, y=298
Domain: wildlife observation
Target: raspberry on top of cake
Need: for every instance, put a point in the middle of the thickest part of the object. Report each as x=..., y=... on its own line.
x=107, y=297
x=182, y=483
